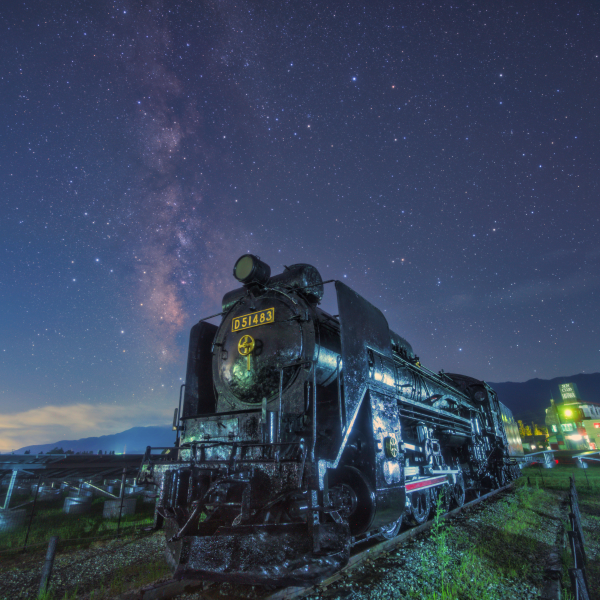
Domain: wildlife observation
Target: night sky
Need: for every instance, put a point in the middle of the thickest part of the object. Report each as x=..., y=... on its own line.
x=440, y=158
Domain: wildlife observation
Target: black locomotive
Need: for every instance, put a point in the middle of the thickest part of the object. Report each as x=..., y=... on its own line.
x=303, y=433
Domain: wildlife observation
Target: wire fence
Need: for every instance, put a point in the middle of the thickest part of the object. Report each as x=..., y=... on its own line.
x=577, y=573
x=558, y=477
x=79, y=520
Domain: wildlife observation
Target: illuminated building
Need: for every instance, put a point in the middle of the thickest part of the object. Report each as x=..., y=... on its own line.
x=573, y=424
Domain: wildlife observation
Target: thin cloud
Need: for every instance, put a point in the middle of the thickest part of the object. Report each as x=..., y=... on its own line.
x=49, y=424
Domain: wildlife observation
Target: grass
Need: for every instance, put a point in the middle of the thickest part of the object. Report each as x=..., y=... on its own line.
x=587, y=482
x=81, y=531
x=557, y=478
x=76, y=530
x=50, y=594
x=486, y=563
x=502, y=557
x=125, y=579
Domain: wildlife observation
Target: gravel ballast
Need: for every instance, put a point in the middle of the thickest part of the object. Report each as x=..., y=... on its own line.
x=90, y=569
x=502, y=545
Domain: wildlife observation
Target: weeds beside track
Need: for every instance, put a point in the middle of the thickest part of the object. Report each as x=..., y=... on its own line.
x=496, y=550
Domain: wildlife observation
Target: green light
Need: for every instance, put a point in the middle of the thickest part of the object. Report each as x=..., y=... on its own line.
x=568, y=412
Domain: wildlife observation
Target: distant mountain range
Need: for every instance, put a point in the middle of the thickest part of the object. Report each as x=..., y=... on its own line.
x=527, y=400
x=132, y=441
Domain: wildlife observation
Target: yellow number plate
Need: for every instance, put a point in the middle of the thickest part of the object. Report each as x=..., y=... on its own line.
x=262, y=317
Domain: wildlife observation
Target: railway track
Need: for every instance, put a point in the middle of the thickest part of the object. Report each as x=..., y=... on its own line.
x=361, y=553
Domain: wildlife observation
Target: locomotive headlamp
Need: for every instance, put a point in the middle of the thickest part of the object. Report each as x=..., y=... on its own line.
x=568, y=412
x=250, y=269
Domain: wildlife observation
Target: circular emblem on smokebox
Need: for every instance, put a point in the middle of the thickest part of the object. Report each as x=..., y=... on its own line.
x=246, y=345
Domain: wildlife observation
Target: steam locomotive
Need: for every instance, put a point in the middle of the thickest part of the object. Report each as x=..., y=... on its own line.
x=304, y=433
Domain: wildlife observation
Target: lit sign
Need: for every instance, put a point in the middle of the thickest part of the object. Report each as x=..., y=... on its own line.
x=262, y=317
x=567, y=391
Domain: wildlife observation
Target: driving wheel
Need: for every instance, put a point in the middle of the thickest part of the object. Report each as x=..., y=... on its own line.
x=420, y=507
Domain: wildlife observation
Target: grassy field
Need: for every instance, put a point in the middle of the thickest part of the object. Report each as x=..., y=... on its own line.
x=73, y=530
x=496, y=551
x=557, y=478
x=587, y=482
x=486, y=563
x=495, y=555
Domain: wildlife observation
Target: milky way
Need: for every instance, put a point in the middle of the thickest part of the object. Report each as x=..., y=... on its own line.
x=441, y=160
x=179, y=232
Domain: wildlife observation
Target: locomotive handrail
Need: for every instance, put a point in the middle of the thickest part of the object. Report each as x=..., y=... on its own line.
x=215, y=444
x=314, y=402
x=179, y=415
x=212, y=316
x=312, y=285
x=297, y=363
x=339, y=391
x=442, y=381
x=204, y=445
x=438, y=411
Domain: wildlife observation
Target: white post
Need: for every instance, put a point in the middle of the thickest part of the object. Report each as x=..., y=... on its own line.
x=11, y=486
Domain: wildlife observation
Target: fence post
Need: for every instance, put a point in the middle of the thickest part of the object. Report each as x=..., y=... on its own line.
x=122, y=500
x=47, y=569
x=575, y=518
x=37, y=489
x=579, y=584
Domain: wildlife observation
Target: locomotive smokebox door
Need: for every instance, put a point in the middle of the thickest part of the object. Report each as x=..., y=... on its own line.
x=369, y=385
x=258, y=336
